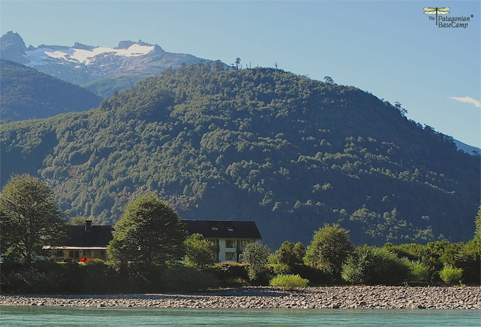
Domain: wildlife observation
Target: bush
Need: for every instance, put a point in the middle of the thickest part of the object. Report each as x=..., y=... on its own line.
x=451, y=275
x=420, y=272
x=374, y=266
x=469, y=260
x=39, y=277
x=96, y=277
x=288, y=281
x=315, y=276
x=187, y=279
x=230, y=274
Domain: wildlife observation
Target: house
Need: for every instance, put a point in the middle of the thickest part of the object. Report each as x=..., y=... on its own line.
x=87, y=242
x=230, y=237
x=84, y=243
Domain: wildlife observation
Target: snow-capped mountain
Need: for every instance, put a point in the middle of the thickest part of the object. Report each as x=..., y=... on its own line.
x=82, y=55
x=80, y=64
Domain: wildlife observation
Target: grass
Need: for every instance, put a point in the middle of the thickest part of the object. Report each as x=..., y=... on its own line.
x=288, y=281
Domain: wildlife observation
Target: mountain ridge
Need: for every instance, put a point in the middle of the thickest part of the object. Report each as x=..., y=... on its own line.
x=12, y=47
x=26, y=93
x=80, y=64
x=258, y=144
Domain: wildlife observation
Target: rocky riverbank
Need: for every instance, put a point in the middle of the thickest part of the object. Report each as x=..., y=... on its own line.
x=355, y=297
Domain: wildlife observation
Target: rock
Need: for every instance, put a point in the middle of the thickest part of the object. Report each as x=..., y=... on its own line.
x=374, y=297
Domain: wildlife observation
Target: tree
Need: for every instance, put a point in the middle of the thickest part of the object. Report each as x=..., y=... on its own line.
x=149, y=232
x=329, y=248
x=200, y=252
x=291, y=254
x=218, y=66
x=29, y=218
x=237, y=63
x=469, y=256
x=399, y=107
x=79, y=220
x=256, y=255
x=477, y=233
x=328, y=80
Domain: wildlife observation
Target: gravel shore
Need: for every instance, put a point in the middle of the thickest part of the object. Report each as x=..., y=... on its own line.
x=355, y=297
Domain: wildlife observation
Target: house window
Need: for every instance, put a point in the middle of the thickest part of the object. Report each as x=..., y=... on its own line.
x=230, y=229
x=230, y=256
x=215, y=228
x=230, y=244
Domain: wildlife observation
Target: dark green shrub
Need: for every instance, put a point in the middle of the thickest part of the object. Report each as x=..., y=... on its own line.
x=39, y=277
x=182, y=278
x=230, y=274
x=96, y=277
x=374, y=266
x=469, y=259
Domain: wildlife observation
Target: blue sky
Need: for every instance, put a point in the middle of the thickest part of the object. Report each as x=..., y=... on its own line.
x=389, y=48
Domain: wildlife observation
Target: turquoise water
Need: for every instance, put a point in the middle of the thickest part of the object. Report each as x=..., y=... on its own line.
x=131, y=317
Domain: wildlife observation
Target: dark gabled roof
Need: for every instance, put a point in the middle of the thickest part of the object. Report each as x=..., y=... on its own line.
x=100, y=236
x=223, y=229
x=94, y=236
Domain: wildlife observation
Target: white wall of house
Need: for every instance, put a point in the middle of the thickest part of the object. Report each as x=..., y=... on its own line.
x=230, y=250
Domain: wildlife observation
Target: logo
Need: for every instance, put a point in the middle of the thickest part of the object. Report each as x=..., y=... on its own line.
x=447, y=21
x=436, y=10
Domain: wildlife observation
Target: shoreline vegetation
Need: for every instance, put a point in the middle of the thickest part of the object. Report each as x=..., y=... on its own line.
x=332, y=297
x=151, y=253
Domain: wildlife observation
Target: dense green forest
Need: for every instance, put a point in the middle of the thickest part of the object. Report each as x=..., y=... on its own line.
x=27, y=94
x=258, y=144
x=106, y=87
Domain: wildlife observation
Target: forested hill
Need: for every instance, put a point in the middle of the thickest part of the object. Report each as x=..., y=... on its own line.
x=26, y=94
x=260, y=144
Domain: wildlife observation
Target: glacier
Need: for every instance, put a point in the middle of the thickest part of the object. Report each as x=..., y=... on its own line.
x=43, y=56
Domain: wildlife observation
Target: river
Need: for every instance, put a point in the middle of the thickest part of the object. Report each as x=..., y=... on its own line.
x=131, y=317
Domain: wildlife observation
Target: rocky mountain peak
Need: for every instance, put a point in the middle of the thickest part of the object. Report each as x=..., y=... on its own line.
x=78, y=45
x=128, y=44
x=134, y=59
x=12, y=47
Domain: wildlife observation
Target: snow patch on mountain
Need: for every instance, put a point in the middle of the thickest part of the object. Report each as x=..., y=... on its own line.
x=43, y=56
